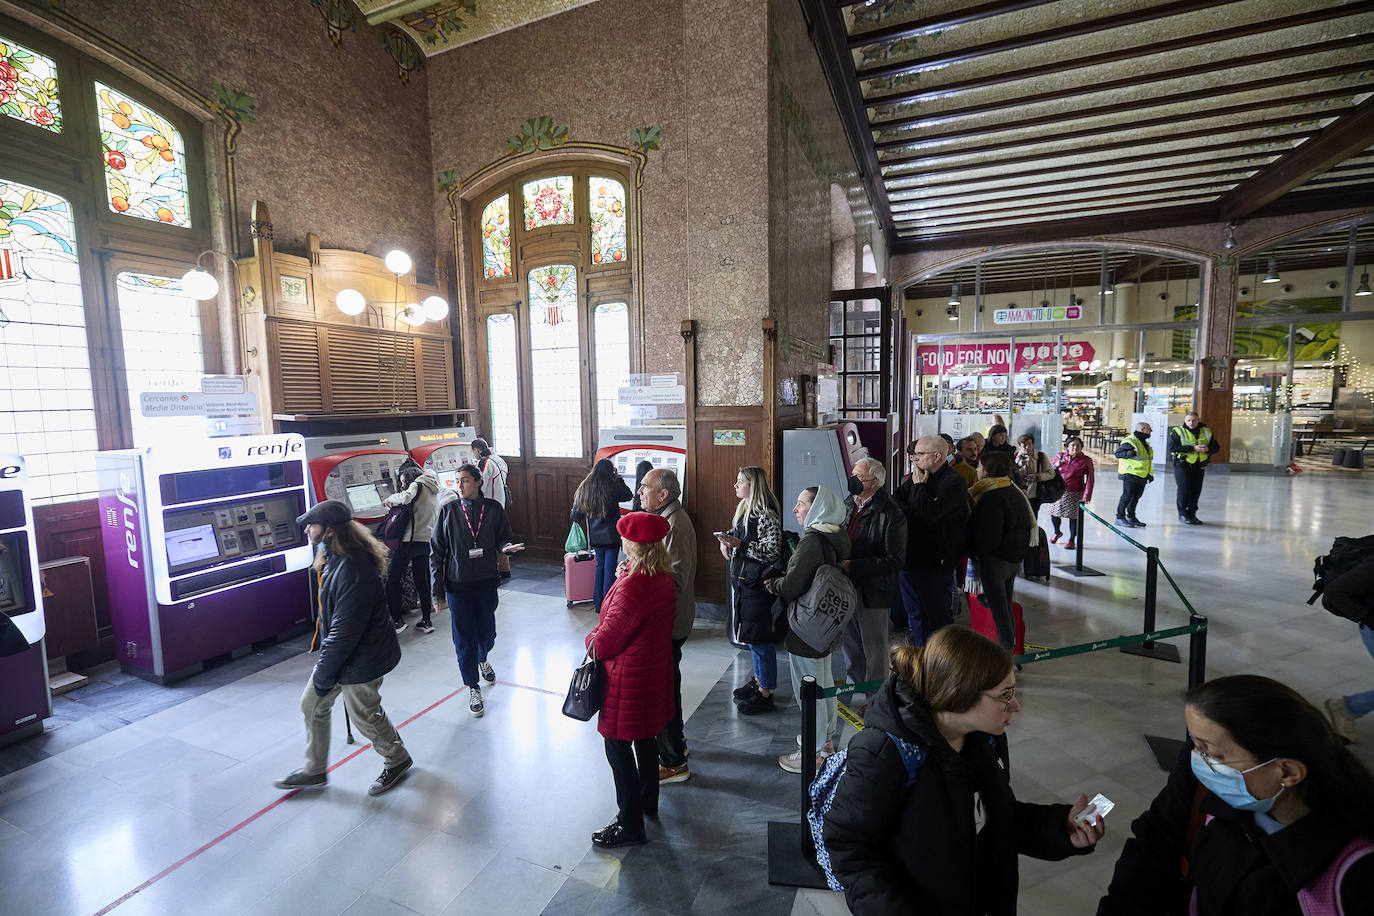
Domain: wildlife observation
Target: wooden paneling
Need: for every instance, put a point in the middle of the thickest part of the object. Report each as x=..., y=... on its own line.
x=712, y=503
x=547, y=497
x=73, y=530
x=298, y=361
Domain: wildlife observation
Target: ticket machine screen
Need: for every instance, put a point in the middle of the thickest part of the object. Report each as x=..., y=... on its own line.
x=14, y=592
x=365, y=499
x=232, y=530
x=376, y=470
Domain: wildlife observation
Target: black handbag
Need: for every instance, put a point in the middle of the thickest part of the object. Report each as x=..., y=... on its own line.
x=585, y=690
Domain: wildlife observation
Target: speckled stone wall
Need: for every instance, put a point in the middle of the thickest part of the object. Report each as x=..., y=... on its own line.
x=340, y=147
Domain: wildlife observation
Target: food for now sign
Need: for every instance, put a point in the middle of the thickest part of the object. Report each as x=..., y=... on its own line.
x=996, y=357
x=1026, y=316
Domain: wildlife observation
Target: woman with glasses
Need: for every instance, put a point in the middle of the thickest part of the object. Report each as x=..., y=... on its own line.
x=752, y=548
x=923, y=819
x=1266, y=812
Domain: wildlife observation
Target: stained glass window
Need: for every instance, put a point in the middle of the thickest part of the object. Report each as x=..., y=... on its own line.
x=28, y=86
x=145, y=160
x=555, y=358
x=496, y=237
x=45, y=376
x=504, y=384
x=548, y=201
x=607, y=209
x=611, y=325
x=160, y=325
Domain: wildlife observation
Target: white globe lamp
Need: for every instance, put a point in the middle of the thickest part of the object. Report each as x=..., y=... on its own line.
x=350, y=302
x=198, y=284
x=436, y=308
x=398, y=262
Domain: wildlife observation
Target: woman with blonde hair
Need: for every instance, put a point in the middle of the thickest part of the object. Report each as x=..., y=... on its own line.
x=751, y=548
x=947, y=840
x=634, y=642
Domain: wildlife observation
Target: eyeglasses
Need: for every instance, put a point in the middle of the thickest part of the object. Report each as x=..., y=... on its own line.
x=1213, y=764
x=1006, y=697
x=922, y=454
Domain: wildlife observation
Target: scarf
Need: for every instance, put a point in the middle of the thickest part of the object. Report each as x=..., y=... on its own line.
x=827, y=512
x=976, y=492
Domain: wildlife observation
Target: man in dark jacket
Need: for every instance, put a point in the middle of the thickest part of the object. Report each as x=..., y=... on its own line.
x=357, y=647
x=877, y=534
x=1191, y=447
x=936, y=504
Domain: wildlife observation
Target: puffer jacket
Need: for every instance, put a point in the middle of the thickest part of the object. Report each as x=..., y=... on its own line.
x=601, y=527
x=633, y=640
x=758, y=552
x=423, y=498
x=357, y=642
x=937, y=520
x=878, y=548
x=450, y=567
x=910, y=851
x=811, y=554
x=1000, y=525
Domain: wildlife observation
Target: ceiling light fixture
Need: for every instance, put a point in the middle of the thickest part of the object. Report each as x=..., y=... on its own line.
x=1230, y=236
x=1363, y=288
x=952, y=311
x=1272, y=274
x=954, y=294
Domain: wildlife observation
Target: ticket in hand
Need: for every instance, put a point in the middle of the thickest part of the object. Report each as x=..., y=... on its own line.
x=1099, y=806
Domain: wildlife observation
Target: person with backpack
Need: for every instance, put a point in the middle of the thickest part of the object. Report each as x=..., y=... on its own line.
x=920, y=816
x=495, y=478
x=420, y=494
x=1350, y=594
x=597, y=502
x=824, y=542
x=1265, y=813
x=752, y=548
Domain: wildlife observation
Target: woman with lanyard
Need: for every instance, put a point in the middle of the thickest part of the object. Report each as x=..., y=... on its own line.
x=469, y=535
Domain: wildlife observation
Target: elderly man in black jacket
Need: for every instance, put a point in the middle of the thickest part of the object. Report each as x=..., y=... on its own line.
x=357, y=647
x=877, y=533
x=936, y=503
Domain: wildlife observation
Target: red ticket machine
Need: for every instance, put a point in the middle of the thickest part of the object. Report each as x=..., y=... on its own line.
x=442, y=450
x=662, y=446
x=356, y=469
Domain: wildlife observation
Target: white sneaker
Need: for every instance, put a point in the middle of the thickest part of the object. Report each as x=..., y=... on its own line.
x=487, y=673
x=1342, y=721
x=475, y=703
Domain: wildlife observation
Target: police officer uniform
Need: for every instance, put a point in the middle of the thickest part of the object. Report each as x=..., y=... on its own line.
x=1189, y=466
x=1134, y=459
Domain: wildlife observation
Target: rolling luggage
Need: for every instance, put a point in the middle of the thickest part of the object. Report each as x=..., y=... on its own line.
x=980, y=619
x=1037, y=562
x=579, y=576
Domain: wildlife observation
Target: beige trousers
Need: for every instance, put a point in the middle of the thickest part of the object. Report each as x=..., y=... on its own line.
x=364, y=705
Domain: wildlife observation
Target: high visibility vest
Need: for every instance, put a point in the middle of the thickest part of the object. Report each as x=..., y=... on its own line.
x=1188, y=438
x=1138, y=466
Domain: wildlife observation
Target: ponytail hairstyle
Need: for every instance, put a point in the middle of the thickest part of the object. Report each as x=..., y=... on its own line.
x=951, y=671
x=761, y=498
x=1269, y=719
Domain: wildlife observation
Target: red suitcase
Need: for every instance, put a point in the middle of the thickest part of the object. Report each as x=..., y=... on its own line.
x=579, y=576
x=980, y=617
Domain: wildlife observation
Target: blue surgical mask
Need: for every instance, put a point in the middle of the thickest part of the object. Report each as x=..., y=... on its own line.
x=1228, y=784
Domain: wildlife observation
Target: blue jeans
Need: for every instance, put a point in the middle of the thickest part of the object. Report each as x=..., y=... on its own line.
x=928, y=596
x=473, y=616
x=765, y=657
x=1362, y=704
x=606, y=560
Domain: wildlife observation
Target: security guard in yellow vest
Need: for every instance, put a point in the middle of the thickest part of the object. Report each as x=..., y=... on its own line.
x=1191, y=447
x=1133, y=467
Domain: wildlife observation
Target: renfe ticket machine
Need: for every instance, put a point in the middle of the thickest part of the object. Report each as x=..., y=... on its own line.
x=24, y=698
x=359, y=470
x=202, y=549
x=819, y=457
x=661, y=446
x=442, y=450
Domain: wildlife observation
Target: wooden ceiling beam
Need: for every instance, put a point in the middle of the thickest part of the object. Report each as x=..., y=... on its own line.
x=1059, y=33
x=1057, y=67
x=964, y=16
x=1095, y=194
x=1052, y=120
x=1210, y=92
x=1348, y=135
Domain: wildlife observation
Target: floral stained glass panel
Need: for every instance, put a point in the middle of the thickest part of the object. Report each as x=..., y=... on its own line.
x=555, y=360
x=145, y=160
x=496, y=238
x=549, y=202
x=28, y=86
x=160, y=326
x=611, y=325
x=504, y=386
x=48, y=412
x=607, y=210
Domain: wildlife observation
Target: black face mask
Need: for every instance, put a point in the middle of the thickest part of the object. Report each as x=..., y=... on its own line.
x=855, y=486
x=1142, y=436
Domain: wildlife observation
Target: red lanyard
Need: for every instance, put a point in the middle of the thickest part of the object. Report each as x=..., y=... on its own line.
x=467, y=518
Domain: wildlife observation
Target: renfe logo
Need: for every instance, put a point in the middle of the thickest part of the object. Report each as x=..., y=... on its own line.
x=280, y=448
x=130, y=520
x=9, y=471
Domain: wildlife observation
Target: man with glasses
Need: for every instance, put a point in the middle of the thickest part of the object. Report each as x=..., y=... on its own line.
x=936, y=503
x=877, y=533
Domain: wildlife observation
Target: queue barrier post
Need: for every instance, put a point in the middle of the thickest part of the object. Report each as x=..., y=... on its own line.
x=791, y=854
x=1197, y=653
x=1076, y=568
x=1150, y=648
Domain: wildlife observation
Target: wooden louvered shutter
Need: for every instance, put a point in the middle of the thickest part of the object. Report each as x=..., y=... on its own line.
x=369, y=373
x=436, y=375
x=298, y=361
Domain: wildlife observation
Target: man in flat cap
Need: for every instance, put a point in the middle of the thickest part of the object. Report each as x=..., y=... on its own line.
x=357, y=647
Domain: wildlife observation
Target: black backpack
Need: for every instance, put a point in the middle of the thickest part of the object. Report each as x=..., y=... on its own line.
x=1345, y=555
x=398, y=522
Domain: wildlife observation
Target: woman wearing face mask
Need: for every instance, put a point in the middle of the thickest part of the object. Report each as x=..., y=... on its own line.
x=751, y=548
x=1259, y=817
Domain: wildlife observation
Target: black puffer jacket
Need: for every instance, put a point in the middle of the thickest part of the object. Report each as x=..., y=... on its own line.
x=937, y=520
x=357, y=642
x=601, y=528
x=878, y=549
x=450, y=567
x=918, y=852
x=1000, y=525
x=1239, y=869
x=758, y=614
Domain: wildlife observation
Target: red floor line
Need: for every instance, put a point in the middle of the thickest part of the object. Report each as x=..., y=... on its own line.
x=237, y=827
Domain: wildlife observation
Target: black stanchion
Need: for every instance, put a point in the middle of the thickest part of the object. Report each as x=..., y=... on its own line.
x=791, y=853
x=1076, y=568
x=1156, y=650
x=1166, y=750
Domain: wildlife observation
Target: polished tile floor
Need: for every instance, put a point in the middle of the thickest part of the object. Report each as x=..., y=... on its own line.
x=151, y=800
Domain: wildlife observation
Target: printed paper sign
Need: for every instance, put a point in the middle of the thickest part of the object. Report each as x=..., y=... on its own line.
x=1026, y=316
x=195, y=404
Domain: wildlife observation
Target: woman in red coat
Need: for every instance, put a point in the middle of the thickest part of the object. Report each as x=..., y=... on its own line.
x=634, y=643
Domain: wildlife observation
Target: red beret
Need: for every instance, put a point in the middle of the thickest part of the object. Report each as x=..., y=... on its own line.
x=642, y=527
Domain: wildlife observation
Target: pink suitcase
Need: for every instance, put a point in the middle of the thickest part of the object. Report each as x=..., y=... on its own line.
x=579, y=576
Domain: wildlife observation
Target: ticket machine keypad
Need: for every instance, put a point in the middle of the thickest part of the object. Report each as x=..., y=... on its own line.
x=204, y=536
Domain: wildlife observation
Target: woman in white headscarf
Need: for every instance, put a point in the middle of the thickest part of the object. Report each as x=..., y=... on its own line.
x=824, y=543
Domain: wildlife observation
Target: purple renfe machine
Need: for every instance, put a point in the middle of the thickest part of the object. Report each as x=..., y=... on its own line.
x=202, y=550
x=24, y=698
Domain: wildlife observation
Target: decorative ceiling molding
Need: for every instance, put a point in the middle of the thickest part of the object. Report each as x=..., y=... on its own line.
x=436, y=27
